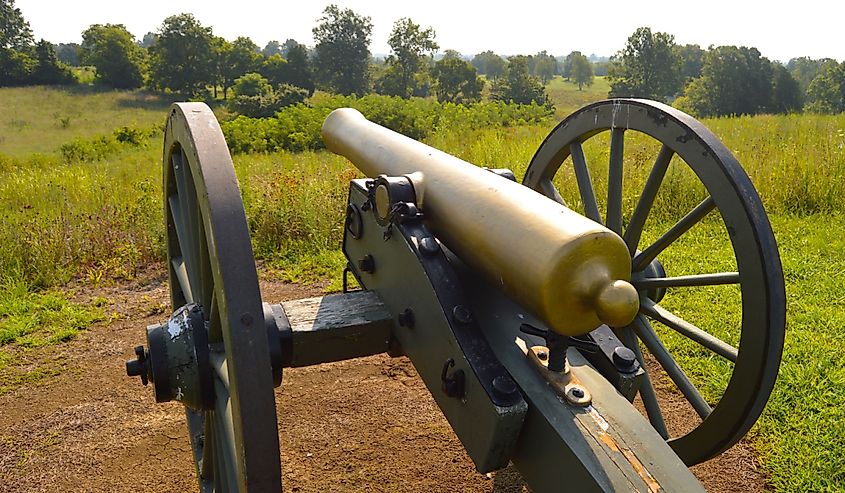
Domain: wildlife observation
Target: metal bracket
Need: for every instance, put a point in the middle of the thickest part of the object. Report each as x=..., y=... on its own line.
x=565, y=383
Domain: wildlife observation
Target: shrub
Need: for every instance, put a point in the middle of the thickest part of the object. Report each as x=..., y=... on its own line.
x=91, y=149
x=297, y=127
x=256, y=98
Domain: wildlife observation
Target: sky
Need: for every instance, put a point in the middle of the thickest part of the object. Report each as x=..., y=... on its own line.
x=508, y=28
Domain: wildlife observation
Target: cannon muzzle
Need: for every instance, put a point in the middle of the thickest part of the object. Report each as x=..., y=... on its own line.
x=569, y=271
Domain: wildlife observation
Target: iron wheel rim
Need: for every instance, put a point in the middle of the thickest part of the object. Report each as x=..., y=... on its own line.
x=210, y=262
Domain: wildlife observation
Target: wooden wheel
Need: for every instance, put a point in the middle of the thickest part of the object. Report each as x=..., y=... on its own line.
x=211, y=266
x=690, y=148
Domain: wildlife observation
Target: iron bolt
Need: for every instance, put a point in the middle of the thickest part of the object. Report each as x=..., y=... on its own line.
x=504, y=386
x=138, y=367
x=542, y=355
x=367, y=264
x=406, y=318
x=429, y=246
x=623, y=358
x=462, y=314
x=577, y=392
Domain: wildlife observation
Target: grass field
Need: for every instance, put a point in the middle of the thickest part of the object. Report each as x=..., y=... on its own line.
x=40, y=119
x=568, y=98
x=100, y=221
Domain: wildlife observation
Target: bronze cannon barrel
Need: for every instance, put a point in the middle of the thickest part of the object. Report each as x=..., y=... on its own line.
x=569, y=271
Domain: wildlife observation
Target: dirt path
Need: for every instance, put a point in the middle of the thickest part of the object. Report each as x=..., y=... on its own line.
x=360, y=425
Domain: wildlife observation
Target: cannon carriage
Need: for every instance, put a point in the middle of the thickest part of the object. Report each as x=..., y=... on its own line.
x=530, y=323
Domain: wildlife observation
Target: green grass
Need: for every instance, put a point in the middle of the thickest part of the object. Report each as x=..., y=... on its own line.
x=40, y=119
x=30, y=319
x=99, y=220
x=567, y=97
x=33, y=319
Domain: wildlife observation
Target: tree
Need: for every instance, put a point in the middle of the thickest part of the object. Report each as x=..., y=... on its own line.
x=489, y=64
x=600, y=68
x=148, y=40
x=456, y=81
x=236, y=59
x=274, y=69
x=805, y=69
x=15, y=67
x=299, y=67
x=252, y=84
x=342, y=50
x=566, y=69
x=690, y=61
x=582, y=71
x=545, y=66
x=452, y=54
x=68, y=53
x=646, y=67
x=518, y=86
x=272, y=48
x=826, y=93
x=48, y=69
x=17, y=54
x=113, y=51
x=409, y=43
x=15, y=33
x=288, y=45
x=181, y=59
x=734, y=81
x=787, y=96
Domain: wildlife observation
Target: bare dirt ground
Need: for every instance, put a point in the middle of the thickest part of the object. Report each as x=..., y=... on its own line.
x=361, y=425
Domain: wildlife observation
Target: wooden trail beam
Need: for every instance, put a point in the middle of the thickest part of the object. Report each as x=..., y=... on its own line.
x=337, y=327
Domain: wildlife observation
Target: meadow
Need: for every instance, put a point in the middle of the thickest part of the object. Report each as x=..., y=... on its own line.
x=86, y=219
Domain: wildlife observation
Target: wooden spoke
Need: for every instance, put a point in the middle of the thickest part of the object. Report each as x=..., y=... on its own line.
x=585, y=183
x=661, y=354
x=182, y=277
x=689, y=330
x=548, y=189
x=641, y=211
x=649, y=397
x=614, y=180
x=692, y=218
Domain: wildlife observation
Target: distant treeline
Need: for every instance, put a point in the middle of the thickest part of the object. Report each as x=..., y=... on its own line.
x=186, y=57
x=724, y=80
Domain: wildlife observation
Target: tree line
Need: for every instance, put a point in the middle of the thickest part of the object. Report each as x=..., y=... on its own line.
x=185, y=57
x=723, y=80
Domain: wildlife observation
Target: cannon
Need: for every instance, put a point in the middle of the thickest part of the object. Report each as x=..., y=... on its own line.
x=531, y=321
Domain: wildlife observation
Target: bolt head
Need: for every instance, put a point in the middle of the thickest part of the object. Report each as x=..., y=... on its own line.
x=367, y=264
x=462, y=314
x=623, y=358
x=504, y=386
x=429, y=246
x=407, y=319
x=577, y=392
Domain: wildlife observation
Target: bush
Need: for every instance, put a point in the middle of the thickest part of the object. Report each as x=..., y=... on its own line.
x=256, y=98
x=297, y=127
x=92, y=149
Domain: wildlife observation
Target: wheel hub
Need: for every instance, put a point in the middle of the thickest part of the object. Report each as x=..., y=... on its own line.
x=177, y=359
x=653, y=270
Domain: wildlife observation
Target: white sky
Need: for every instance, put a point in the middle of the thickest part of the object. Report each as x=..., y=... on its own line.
x=812, y=27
